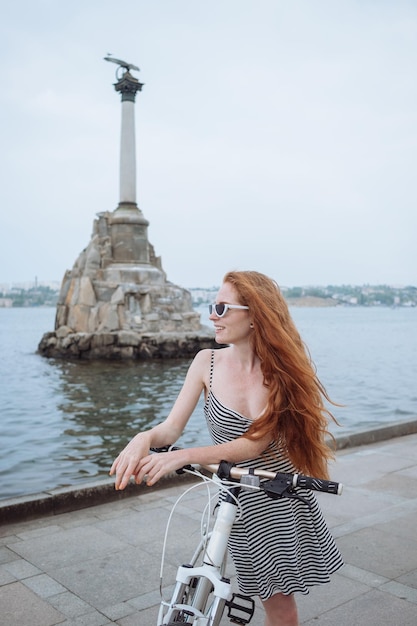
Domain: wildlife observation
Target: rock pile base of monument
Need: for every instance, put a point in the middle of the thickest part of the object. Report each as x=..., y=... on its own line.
x=124, y=345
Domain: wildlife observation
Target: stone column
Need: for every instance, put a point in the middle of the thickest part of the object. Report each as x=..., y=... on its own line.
x=128, y=226
x=128, y=86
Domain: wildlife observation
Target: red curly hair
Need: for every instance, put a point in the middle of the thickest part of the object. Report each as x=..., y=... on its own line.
x=295, y=414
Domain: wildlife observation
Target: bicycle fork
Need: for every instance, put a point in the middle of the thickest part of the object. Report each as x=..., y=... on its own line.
x=202, y=592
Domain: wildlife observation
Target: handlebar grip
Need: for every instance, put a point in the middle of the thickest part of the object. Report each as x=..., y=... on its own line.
x=317, y=484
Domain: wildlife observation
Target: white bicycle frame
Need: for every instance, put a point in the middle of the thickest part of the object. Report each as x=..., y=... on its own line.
x=208, y=577
x=202, y=592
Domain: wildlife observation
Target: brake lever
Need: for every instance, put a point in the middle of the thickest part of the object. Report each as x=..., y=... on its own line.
x=282, y=488
x=186, y=468
x=290, y=493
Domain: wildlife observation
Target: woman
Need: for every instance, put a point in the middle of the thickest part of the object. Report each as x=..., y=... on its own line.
x=265, y=408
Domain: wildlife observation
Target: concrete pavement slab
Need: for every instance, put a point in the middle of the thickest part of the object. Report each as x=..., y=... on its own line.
x=22, y=607
x=372, y=607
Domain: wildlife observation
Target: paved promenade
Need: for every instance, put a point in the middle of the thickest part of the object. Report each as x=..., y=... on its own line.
x=100, y=565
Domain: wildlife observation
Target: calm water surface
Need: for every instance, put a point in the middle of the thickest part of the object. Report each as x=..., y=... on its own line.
x=63, y=422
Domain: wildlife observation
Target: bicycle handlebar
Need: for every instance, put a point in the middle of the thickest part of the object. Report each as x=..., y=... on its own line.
x=278, y=482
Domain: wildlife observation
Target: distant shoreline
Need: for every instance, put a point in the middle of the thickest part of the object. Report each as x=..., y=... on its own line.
x=312, y=301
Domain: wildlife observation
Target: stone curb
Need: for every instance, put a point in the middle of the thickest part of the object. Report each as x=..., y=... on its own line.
x=375, y=435
x=67, y=499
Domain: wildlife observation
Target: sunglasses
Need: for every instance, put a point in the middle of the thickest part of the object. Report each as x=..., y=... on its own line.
x=221, y=309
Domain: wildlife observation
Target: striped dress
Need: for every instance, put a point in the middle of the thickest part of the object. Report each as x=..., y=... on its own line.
x=277, y=546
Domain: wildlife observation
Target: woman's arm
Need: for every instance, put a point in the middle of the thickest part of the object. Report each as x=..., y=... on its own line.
x=155, y=466
x=129, y=461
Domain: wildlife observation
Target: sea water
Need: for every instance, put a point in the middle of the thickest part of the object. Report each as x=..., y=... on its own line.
x=62, y=423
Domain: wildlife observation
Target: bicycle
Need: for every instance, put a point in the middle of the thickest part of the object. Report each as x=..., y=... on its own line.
x=202, y=592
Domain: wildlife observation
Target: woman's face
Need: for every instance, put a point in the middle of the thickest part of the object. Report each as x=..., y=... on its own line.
x=234, y=326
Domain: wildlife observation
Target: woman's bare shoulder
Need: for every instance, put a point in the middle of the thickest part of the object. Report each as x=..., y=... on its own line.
x=202, y=359
x=200, y=362
x=203, y=356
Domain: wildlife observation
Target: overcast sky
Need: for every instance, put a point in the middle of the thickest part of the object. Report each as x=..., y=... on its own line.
x=273, y=135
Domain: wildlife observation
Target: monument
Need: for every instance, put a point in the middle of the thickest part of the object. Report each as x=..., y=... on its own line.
x=116, y=302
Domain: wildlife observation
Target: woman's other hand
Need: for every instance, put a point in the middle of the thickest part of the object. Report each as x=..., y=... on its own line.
x=127, y=464
x=155, y=466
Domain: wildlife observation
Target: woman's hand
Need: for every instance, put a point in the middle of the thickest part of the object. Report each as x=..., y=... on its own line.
x=155, y=466
x=136, y=461
x=127, y=464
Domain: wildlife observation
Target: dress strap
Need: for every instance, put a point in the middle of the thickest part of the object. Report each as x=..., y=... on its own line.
x=211, y=368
